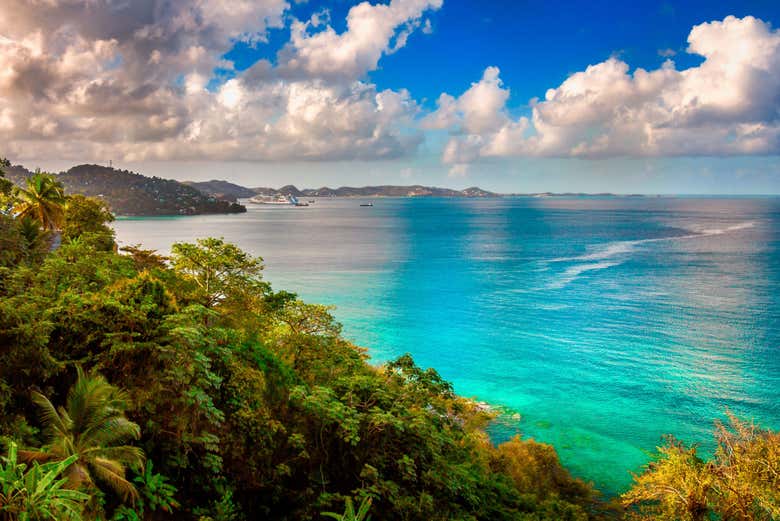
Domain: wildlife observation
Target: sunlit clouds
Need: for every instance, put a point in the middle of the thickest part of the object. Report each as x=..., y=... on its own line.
x=131, y=80
x=148, y=80
x=730, y=104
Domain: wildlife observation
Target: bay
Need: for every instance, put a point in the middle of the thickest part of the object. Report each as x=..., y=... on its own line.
x=598, y=324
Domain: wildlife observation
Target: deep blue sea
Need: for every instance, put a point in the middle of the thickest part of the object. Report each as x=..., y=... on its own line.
x=598, y=324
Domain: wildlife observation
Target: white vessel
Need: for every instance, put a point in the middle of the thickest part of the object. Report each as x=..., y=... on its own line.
x=280, y=199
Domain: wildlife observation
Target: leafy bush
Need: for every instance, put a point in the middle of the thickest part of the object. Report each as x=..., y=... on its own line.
x=741, y=482
x=37, y=492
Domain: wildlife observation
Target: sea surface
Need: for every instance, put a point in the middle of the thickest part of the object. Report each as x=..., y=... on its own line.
x=597, y=324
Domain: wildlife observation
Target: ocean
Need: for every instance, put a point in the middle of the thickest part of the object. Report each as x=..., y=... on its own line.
x=597, y=324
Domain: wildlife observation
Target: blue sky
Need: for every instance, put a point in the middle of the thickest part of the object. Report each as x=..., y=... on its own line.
x=704, y=125
x=535, y=44
x=538, y=44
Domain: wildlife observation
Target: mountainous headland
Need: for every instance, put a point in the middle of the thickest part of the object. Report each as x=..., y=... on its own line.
x=227, y=190
x=232, y=192
x=133, y=194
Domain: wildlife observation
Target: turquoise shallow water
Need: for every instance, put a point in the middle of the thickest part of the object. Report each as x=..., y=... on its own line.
x=603, y=322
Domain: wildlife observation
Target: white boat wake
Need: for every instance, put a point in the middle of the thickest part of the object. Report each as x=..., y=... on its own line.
x=617, y=252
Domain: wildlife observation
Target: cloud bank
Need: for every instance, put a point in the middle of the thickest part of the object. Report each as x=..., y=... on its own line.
x=727, y=105
x=138, y=80
x=128, y=80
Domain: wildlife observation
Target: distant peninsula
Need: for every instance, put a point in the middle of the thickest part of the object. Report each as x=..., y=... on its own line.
x=232, y=192
x=132, y=194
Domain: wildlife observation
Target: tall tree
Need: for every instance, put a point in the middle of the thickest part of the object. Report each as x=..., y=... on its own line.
x=43, y=199
x=218, y=269
x=88, y=216
x=93, y=427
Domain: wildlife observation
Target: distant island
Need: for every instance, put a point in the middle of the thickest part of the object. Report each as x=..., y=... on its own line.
x=232, y=192
x=573, y=194
x=132, y=194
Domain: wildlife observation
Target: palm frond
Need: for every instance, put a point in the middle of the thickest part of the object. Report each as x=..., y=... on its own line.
x=92, y=428
x=113, y=475
x=49, y=415
x=77, y=476
x=113, y=431
x=35, y=456
x=43, y=199
x=125, y=455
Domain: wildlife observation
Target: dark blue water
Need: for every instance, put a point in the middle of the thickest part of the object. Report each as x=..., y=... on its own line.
x=599, y=324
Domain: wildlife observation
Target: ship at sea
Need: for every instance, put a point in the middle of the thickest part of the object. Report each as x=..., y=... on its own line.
x=281, y=200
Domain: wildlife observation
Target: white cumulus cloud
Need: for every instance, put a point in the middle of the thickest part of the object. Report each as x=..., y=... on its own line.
x=92, y=79
x=729, y=104
x=372, y=31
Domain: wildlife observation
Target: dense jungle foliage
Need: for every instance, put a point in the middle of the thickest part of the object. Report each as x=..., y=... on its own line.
x=130, y=193
x=138, y=387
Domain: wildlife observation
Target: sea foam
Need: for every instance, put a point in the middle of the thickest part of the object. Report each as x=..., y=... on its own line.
x=618, y=252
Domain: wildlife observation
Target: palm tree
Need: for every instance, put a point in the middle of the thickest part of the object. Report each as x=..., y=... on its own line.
x=35, y=238
x=92, y=426
x=43, y=200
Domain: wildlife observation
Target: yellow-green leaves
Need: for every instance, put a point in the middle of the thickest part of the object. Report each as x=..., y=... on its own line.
x=43, y=199
x=90, y=431
x=742, y=481
x=38, y=492
x=87, y=218
x=218, y=269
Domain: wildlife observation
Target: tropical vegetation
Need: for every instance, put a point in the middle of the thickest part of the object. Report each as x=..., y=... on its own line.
x=741, y=482
x=129, y=193
x=92, y=427
x=43, y=199
x=37, y=492
x=139, y=387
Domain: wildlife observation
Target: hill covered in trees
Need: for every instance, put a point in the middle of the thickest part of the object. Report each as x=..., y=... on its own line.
x=138, y=387
x=222, y=189
x=129, y=193
x=377, y=191
x=228, y=190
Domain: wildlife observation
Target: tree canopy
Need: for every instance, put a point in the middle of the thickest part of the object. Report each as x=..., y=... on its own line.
x=6, y=186
x=87, y=216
